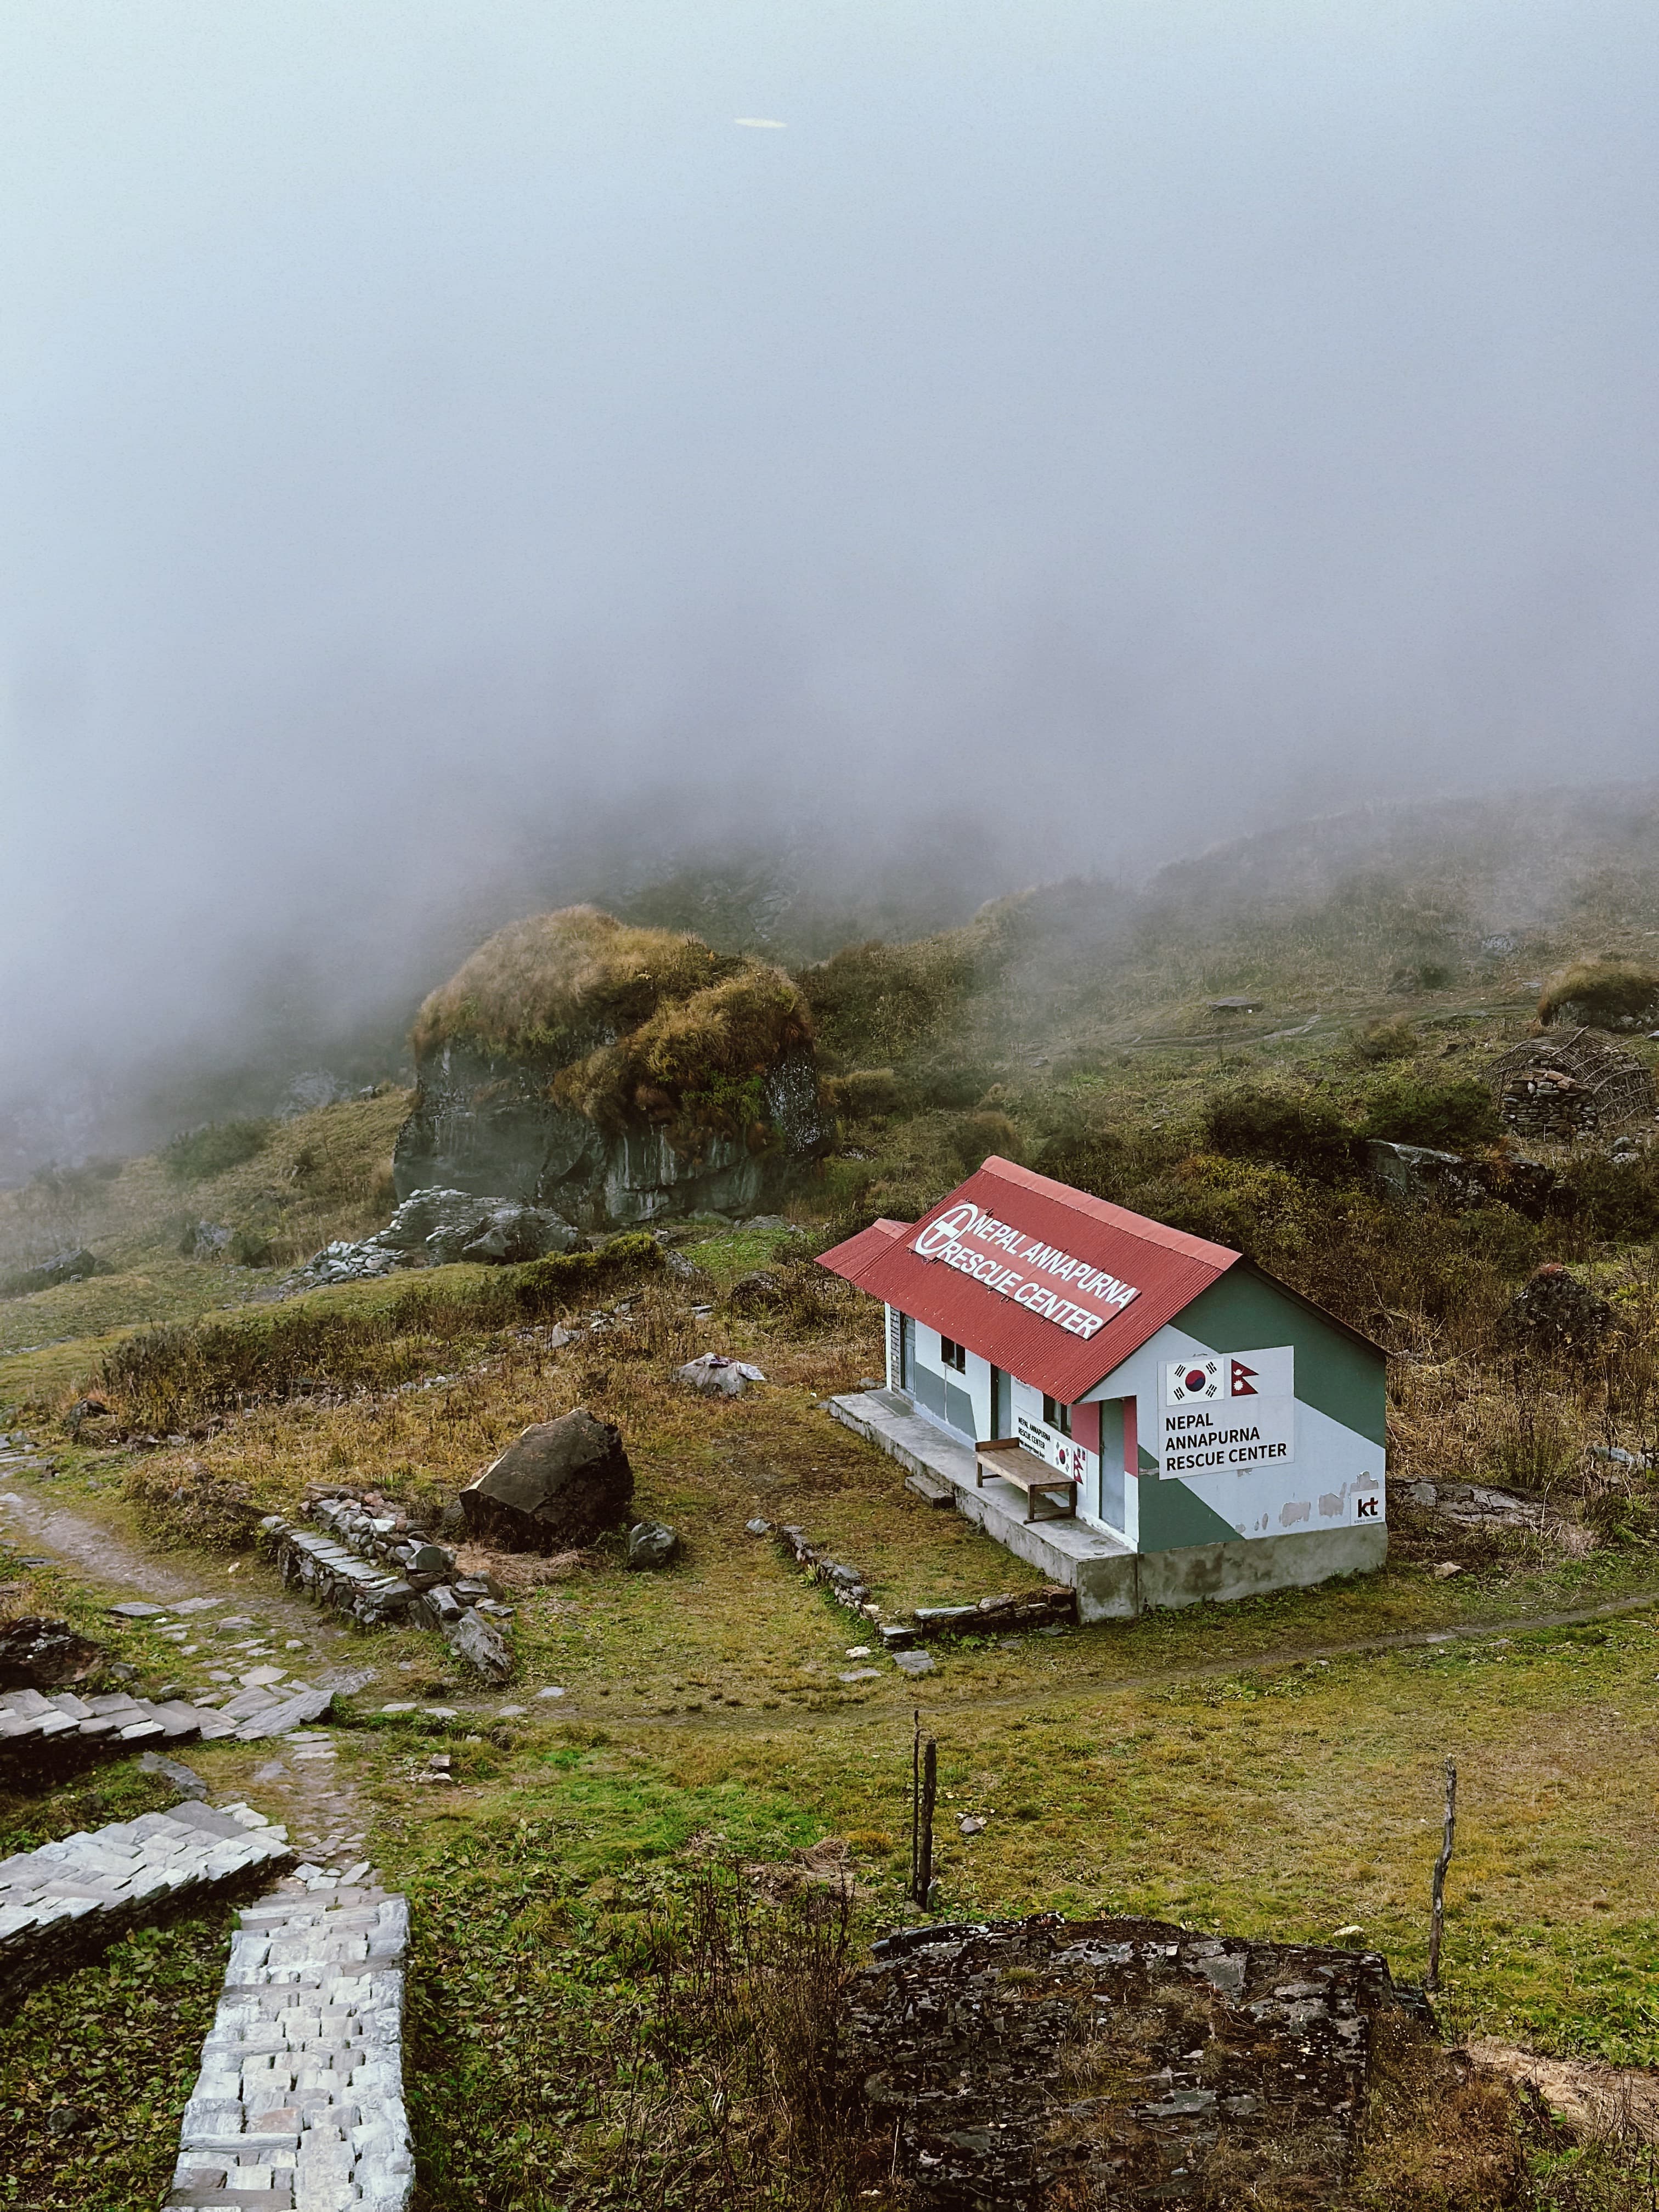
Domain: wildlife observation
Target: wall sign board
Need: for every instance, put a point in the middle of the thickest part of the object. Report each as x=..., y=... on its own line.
x=1228, y=1411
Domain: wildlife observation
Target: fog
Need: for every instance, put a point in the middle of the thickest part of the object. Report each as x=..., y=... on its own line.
x=451, y=460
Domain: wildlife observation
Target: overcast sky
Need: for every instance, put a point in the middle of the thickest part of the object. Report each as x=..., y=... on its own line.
x=435, y=436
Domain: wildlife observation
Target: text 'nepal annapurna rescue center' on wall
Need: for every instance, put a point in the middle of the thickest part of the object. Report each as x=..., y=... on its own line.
x=1201, y=1429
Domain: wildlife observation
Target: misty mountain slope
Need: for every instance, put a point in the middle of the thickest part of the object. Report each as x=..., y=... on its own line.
x=320, y=1176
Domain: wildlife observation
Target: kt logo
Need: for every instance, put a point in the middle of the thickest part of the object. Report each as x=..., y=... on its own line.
x=1367, y=1508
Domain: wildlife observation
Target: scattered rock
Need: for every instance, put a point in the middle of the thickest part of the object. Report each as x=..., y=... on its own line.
x=721, y=1377
x=483, y=1646
x=1556, y=1309
x=435, y=1228
x=971, y=1824
x=1446, y=1569
x=652, y=1544
x=46, y=1654
x=757, y=1528
x=914, y=1663
x=560, y=1484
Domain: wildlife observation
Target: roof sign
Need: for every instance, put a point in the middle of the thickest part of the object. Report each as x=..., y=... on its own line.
x=1012, y=1263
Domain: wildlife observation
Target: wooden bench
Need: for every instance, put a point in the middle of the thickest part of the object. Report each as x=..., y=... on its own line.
x=1006, y=1459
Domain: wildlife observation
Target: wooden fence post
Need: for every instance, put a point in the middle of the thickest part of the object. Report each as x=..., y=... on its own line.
x=1437, y=1905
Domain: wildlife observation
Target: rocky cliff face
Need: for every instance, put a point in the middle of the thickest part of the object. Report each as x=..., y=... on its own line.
x=694, y=1087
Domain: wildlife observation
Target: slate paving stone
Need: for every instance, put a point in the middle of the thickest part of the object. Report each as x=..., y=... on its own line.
x=95, y=1884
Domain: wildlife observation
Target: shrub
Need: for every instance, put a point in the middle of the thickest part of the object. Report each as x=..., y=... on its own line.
x=194, y=1155
x=979, y=1135
x=1453, y=1115
x=864, y=1094
x=1392, y=1039
x=1299, y=1130
x=250, y=1248
x=1602, y=993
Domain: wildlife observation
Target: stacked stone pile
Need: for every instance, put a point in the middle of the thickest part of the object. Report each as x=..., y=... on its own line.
x=1116, y=2057
x=380, y=1572
x=299, y=2106
x=58, y=1901
x=1569, y=1084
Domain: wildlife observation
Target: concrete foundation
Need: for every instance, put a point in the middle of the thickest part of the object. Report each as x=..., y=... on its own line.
x=1112, y=1582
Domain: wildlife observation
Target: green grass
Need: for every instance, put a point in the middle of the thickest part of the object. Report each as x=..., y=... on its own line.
x=118, y=2041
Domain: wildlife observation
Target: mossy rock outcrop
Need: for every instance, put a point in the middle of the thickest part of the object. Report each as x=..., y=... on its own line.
x=613, y=1074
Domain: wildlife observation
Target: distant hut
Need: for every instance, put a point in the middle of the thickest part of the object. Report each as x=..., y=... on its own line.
x=1569, y=1083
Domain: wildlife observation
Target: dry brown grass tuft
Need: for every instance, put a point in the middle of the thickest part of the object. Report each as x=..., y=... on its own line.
x=557, y=986
x=1440, y=2132
x=1601, y=992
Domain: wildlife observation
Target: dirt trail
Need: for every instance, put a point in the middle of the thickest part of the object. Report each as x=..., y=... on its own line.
x=322, y=1810
x=1091, y=1691
x=96, y=1549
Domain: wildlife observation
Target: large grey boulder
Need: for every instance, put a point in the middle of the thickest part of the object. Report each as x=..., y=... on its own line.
x=557, y=1486
x=46, y=1274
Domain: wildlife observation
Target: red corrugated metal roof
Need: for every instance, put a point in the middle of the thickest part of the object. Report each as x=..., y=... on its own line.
x=1020, y=1231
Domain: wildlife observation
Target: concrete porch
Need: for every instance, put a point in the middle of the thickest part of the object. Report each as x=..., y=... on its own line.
x=1112, y=1582
x=1101, y=1571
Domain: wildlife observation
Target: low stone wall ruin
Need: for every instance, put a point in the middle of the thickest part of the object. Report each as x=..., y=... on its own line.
x=382, y=1575
x=1112, y=2060
x=1049, y=1607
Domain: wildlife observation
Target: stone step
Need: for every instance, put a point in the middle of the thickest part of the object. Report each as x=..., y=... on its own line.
x=58, y=1901
x=299, y=2099
x=115, y=1720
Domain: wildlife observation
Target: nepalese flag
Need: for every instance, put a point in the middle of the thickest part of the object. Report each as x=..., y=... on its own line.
x=1243, y=1379
x=1189, y=1379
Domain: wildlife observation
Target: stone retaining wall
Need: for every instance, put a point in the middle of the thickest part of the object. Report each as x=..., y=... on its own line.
x=299, y=2106
x=1106, y=2061
x=379, y=1576
x=37, y=1724
x=1050, y=1607
x=66, y=1898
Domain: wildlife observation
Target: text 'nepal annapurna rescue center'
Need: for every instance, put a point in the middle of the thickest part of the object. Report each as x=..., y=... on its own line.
x=1146, y=1417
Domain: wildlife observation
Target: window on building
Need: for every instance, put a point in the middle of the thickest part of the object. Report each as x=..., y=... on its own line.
x=1058, y=1415
x=953, y=1355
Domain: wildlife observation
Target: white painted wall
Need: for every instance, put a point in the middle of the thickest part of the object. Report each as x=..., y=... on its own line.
x=1333, y=1467
x=1026, y=1404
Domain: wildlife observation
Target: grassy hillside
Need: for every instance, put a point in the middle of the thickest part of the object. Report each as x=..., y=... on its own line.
x=1269, y=1767
x=283, y=1189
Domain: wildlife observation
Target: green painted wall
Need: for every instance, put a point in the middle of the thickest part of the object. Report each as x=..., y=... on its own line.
x=1345, y=1380
x=1171, y=1516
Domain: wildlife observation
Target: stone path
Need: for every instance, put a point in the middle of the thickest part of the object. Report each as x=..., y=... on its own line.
x=29, y=1718
x=94, y=1885
x=299, y=2106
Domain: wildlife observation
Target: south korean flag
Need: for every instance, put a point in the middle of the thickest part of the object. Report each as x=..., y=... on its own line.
x=1186, y=1380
